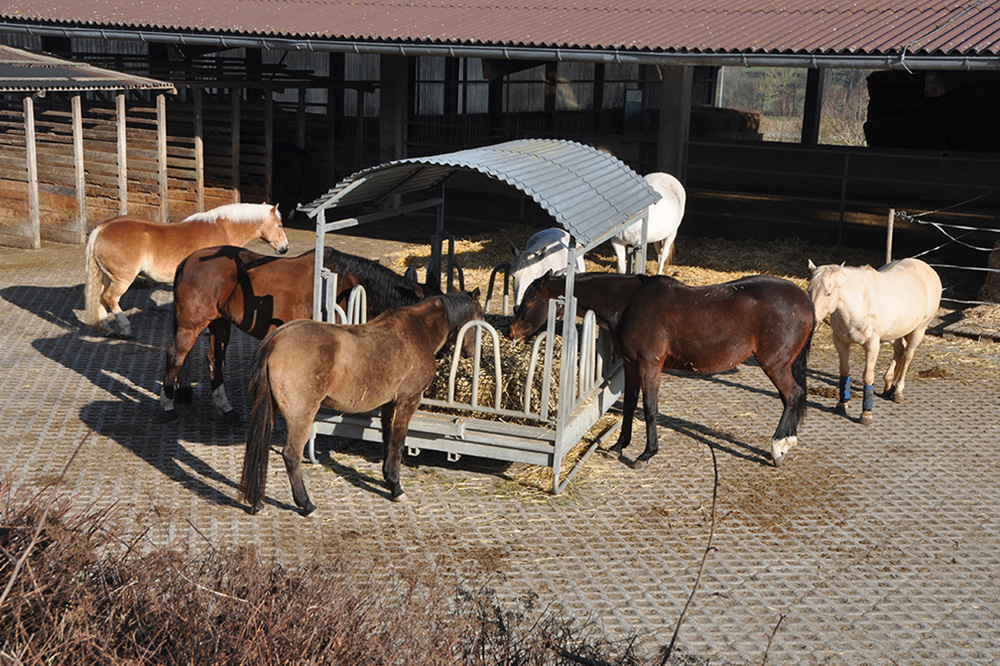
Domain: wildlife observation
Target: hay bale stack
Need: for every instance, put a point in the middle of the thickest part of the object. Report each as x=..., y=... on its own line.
x=514, y=360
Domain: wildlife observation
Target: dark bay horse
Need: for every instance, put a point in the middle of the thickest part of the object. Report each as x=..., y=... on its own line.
x=386, y=363
x=219, y=287
x=659, y=322
x=120, y=249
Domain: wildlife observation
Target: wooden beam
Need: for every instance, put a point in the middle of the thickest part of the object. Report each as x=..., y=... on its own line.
x=199, y=149
x=813, y=107
x=237, y=94
x=80, y=175
x=34, y=227
x=122, y=155
x=161, y=148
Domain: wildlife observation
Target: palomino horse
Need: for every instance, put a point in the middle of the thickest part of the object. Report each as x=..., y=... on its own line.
x=866, y=306
x=121, y=248
x=658, y=322
x=221, y=286
x=386, y=363
x=547, y=250
x=664, y=219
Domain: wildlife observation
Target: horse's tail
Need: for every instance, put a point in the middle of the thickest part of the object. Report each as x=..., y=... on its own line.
x=255, y=459
x=93, y=310
x=799, y=369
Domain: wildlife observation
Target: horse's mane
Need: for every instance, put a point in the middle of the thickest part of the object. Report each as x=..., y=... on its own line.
x=234, y=212
x=458, y=308
x=384, y=288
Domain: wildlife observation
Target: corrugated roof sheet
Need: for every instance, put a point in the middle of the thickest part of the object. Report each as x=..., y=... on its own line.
x=23, y=71
x=947, y=27
x=586, y=191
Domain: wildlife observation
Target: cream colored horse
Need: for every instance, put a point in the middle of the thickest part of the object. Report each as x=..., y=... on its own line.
x=894, y=303
x=121, y=248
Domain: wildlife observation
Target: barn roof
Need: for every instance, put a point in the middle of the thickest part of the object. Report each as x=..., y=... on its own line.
x=23, y=71
x=701, y=30
x=586, y=191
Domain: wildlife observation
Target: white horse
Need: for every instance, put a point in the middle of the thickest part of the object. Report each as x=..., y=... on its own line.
x=546, y=250
x=894, y=303
x=664, y=219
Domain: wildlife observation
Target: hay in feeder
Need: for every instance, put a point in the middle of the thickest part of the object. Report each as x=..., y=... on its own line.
x=515, y=358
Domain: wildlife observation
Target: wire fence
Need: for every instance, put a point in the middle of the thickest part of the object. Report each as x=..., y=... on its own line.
x=956, y=234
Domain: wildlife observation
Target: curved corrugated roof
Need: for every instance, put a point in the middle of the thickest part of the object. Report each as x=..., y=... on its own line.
x=586, y=191
x=842, y=27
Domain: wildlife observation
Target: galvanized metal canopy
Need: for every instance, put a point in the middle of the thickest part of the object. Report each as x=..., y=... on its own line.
x=586, y=191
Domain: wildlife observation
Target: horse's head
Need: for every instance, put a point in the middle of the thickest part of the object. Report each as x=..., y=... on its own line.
x=461, y=308
x=824, y=288
x=272, y=233
x=531, y=313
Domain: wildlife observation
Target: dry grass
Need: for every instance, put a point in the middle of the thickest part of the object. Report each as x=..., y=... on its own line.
x=88, y=595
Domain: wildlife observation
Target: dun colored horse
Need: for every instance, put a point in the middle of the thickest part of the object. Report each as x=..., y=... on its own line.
x=386, y=363
x=658, y=322
x=866, y=306
x=121, y=248
x=219, y=287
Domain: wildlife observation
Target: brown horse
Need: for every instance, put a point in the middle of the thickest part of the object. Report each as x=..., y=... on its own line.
x=121, y=248
x=659, y=322
x=386, y=363
x=221, y=286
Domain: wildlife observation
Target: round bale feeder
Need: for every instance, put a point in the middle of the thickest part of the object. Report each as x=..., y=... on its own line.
x=590, y=194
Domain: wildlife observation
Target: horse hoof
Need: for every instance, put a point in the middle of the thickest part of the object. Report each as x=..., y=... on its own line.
x=840, y=409
x=168, y=416
x=866, y=418
x=897, y=396
x=232, y=417
x=779, y=459
x=307, y=509
x=401, y=497
x=254, y=509
x=184, y=396
x=640, y=463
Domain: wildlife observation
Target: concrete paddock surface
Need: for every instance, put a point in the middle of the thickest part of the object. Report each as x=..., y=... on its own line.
x=878, y=545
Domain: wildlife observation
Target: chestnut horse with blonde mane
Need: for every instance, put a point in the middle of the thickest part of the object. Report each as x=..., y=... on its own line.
x=120, y=249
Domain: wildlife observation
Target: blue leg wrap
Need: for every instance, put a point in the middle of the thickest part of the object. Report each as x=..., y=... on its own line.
x=845, y=388
x=869, y=400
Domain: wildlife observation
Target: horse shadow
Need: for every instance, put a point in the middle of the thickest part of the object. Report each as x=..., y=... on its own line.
x=162, y=446
x=721, y=379
x=125, y=370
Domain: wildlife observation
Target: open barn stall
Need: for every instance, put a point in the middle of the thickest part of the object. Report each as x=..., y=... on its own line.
x=589, y=193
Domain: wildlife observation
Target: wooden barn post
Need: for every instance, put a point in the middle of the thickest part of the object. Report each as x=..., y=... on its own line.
x=34, y=228
x=79, y=231
x=199, y=149
x=269, y=145
x=122, y=158
x=161, y=153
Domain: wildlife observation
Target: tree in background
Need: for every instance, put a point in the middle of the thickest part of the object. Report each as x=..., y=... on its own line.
x=778, y=94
